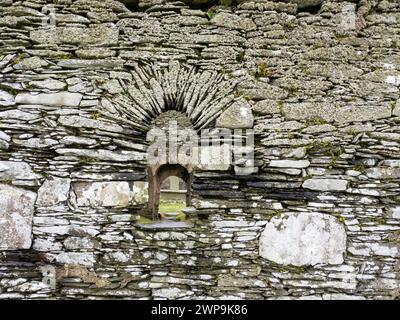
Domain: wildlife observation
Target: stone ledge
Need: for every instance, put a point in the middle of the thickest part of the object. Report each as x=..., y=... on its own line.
x=165, y=225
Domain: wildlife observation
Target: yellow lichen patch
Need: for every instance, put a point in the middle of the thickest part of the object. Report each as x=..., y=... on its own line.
x=73, y=271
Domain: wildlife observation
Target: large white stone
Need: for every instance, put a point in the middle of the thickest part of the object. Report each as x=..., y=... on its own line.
x=16, y=214
x=5, y=96
x=76, y=258
x=383, y=173
x=237, y=116
x=4, y=140
x=12, y=170
x=109, y=194
x=61, y=99
x=53, y=191
x=4, y=136
x=214, y=158
x=395, y=212
x=303, y=239
x=325, y=184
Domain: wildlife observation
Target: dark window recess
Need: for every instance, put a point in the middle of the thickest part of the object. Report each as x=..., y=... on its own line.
x=311, y=9
x=157, y=182
x=132, y=5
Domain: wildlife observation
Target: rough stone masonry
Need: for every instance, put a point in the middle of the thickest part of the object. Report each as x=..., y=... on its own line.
x=82, y=81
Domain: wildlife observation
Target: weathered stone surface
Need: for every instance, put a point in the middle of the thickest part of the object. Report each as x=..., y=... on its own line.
x=347, y=17
x=102, y=34
x=237, y=116
x=68, y=140
x=4, y=140
x=30, y=63
x=74, y=243
x=18, y=115
x=394, y=163
x=321, y=90
x=385, y=136
x=78, y=122
x=383, y=173
x=319, y=128
x=303, y=239
x=395, y=212
x=53, y=191
x=76, y=258
x=109, y=194
x=99, y=154
x=50, y=84
x=325, y=184
x=331, y=112
x=396, y=110
x=16, y=212
x=110, y=63
x=60, y=99
x=36, y=143
x=6, y=99
x=218, y=158
x=369, y=249
x=267, y=107
x=12, y=170
x=289, y=163
x=95, y=53
x=233, y=21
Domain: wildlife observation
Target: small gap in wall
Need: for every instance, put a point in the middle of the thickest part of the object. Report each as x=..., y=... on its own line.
x=311, y=9
x=202, y=6
x=131, y=5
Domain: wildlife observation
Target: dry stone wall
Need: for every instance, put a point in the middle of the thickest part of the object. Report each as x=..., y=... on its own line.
x=318, y=80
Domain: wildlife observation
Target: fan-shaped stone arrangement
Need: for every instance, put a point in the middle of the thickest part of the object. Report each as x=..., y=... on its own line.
x=201, y=96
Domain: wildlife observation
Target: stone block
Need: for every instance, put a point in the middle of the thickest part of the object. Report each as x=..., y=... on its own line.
x=61, y=99
x=53, y=191
x=237, y=116
x=326, y=184
x=16, y=215
x=109, y=194
x=303, y=239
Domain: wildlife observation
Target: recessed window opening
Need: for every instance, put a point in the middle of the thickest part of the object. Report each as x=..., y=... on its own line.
x=173, y=195
x=169, y=191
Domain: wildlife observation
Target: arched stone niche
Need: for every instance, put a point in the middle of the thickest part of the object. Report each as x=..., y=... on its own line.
x=158, y=174
x=196, y=100
x=171, y=127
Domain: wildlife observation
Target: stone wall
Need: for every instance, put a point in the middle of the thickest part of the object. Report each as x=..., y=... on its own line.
x=317, y=80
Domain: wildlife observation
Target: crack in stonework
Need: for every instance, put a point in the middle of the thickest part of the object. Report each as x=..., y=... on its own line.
x=201, y=96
